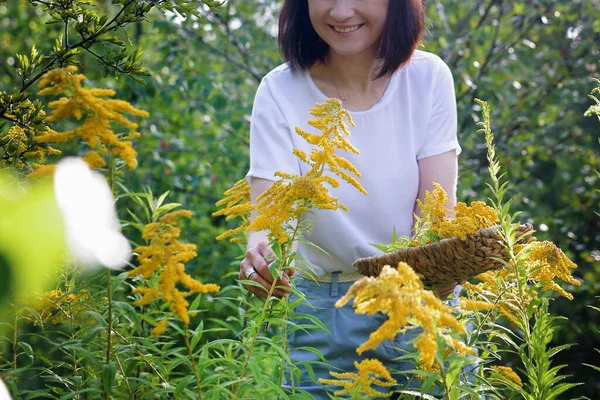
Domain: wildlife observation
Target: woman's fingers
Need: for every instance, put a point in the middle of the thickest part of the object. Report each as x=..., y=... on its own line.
x=257, y=277
x=260, y=257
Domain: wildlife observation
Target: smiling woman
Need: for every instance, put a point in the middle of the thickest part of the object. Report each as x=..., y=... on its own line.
x=403, y=105
x=393, y=29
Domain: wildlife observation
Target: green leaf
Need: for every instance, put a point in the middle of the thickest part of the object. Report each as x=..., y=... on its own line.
x=182, y=385
x=109, y=373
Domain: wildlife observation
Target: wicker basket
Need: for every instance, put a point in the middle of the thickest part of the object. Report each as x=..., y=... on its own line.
x=449, y=260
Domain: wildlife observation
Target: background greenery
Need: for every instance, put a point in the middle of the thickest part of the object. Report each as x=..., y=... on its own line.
x=533, y=60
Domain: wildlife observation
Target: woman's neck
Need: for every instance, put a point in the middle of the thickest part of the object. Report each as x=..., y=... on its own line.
x=350, y=79
x=352, y=72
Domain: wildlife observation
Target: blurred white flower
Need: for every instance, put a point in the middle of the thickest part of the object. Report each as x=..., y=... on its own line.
x=91, y=223
x=4, y=395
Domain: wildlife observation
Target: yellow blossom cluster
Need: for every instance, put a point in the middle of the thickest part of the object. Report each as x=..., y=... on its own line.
x=237, y=204
x=165, y=256
x=160, y=328
x=400, y=294
x=99, y=114
x=433, y=368
x=292, y=195
x=507, y=373
x=17, y=148
x=370, y=372
x=433, y=209
x=59, y=305
x=547, y=262
x=467, y=219
x=543, y=261
x=499, y=290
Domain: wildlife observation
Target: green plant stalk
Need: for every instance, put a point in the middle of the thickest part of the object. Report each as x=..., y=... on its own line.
x=111, y=182
x=139, y=366
x=515, y=263
x=15, y=335
x=142, y=356
x=109, y=324
x=474, y=338
x=75, y=367
x=123, y=373
x=192, y=360
x=286, y=259
x=285, y=350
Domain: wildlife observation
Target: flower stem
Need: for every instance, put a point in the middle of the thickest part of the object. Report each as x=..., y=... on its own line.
x=285, y=351
x=285, y=258
x=253, y=340
x=192, y=360
x=109, y=323
x=15, y=335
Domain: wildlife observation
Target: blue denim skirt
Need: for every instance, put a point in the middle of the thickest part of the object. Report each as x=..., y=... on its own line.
x=348, y=331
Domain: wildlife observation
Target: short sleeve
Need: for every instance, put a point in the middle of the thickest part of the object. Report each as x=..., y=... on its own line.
x=271, y=141
x=441, y=133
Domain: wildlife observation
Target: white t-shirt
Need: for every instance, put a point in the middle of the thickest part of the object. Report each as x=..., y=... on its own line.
x=415, y=118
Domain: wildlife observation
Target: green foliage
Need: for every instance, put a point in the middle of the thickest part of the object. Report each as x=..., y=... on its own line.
x=532, y=59
x=594, y=109
x=31, y=238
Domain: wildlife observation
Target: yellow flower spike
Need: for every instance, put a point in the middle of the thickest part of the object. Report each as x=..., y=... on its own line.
x=507, y=373
x=165, y=256
x=291, y=196
x=41, y=171
x=59, y=305
x=160, y=328
x=148, y=295
x=434, y=209
x=359, y=383
x=99, y=113
x=400, y=294
x=172, y=217
x=467, y=220
x=472, y=305
x=94, y=160
x=544, y=262
x=547, y=262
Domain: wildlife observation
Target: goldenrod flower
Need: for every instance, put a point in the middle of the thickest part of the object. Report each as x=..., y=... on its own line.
x=467, y=219
x=543, y=261
x=546, y=262
x=498, y=288
x=400, y=294
x=99, y=114
x=471, y=305
x=160, y=328
x=507, y=373
x=291, y=196
x=164, y=256
x=60, y=305
x=94, y=160
x=41, y=171
x=172, y=217
x=370, y=372
x=20, y=147
x=433, y=209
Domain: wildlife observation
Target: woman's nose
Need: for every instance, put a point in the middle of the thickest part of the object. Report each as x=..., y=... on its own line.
x=342, y=10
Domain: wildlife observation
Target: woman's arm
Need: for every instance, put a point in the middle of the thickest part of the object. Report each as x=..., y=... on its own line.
x=443, y=169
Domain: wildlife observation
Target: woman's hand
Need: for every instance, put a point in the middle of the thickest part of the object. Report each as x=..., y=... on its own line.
x=258, y=258
x=444, y=291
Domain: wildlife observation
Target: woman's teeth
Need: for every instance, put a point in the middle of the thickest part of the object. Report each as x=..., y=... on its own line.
x=346, y=30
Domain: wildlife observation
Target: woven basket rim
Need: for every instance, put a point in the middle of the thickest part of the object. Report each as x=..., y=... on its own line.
x=523, y=228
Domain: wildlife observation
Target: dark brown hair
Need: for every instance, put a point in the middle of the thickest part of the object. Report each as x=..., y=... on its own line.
x=301, y=46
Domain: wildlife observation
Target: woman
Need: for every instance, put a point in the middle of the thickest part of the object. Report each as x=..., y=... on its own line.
x=403, y=104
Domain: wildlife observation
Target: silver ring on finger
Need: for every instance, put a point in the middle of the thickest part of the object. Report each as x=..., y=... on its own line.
x=249, y=272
